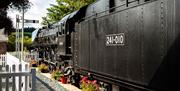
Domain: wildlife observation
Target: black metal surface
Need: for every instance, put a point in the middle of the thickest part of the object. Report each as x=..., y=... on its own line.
x=167, y=75
x=84, y=45
x=97, y=7
x=121, y=64
x=133, y=44
x=150, y=52
x=153, y=46
x=150, y=30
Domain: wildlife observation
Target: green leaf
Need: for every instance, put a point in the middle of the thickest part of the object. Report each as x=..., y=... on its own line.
x=63, y=7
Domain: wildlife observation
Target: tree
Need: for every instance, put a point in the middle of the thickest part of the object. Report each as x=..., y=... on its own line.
x=16, y=4
x=45, y=21
x=11, y=42
x=63, y=7
x=5, y=22
x=27, y=41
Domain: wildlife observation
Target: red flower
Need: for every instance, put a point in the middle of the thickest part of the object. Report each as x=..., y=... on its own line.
x=94, y=82
x=88, y=85
x=88, y=81
x=97, y=87
x=84, y=79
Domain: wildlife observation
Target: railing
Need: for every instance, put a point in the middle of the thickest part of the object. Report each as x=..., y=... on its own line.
x=17, y=79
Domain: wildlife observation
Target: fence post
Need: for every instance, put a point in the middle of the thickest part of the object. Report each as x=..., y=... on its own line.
x=5, y=59
x=14, y=81
x=0, y=78
x=33, y=72
x=0, y=68
x=26, y=78
x=20, y=79
x=7, y=78
x=7, y=68
x=0, y=59
x=26, y=67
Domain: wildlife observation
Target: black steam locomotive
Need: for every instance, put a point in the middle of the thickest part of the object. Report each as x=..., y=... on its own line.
x=131, y=45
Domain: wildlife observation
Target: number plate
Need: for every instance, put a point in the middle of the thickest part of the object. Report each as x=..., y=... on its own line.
x=115, y=39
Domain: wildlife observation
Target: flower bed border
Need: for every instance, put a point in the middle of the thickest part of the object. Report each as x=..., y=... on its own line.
x=52, y=83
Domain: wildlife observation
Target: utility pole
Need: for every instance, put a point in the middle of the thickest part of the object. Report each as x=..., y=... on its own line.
x=19, y=48
x=22, y=36
x=17, y=37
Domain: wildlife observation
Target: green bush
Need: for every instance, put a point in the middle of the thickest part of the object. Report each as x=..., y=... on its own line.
x=43, y=68
x=56, y=75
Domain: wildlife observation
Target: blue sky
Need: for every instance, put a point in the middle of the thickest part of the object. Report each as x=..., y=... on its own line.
x=37, y=10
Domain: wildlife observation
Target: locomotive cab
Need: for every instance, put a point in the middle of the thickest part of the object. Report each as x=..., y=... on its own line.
x=64, y=44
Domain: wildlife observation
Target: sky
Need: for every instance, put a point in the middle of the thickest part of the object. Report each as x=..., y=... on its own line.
x=37, y=10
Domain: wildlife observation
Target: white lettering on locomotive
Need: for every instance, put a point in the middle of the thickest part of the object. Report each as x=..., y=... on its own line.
x=115, y=39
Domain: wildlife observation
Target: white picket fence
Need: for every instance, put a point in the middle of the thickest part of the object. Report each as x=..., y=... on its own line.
x=13, y=79
x=27, y=55
x=3, y=58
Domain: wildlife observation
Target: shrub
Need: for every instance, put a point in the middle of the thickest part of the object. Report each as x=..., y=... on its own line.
x=56, y=74
x=43, y=68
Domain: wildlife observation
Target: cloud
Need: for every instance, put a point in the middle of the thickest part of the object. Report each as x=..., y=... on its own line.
x=37, y=10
